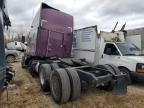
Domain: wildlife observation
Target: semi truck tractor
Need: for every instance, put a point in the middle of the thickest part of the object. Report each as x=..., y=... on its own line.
x=109, y=48
x=49, y=55
x=6, y=72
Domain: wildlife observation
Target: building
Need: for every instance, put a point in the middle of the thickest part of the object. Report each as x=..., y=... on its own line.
x=136, y=36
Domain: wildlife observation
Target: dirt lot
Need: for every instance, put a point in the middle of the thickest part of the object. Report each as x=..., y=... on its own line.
x=25, y=92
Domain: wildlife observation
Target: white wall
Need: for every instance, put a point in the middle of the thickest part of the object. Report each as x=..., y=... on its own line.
x=135, y=39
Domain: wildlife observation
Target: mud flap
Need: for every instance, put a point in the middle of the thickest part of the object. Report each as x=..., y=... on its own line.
x=120, y=86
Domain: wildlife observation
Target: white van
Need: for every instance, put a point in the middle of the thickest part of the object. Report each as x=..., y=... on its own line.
x=109, y=48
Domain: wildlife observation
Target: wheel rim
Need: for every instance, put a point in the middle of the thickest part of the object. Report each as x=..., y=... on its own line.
x=41, y=77
x=56, y=87
x=10, y=59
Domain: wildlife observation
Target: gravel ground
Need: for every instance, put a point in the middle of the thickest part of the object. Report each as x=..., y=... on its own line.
x=25, y=92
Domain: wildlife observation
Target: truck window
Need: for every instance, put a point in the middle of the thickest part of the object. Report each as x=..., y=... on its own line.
x=128, y=49
x=110, y=49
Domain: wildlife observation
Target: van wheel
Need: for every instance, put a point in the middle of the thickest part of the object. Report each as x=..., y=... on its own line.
x=126, y=71
x=10, y=59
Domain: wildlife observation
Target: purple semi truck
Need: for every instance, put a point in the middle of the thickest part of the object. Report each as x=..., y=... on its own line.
x=49, y=55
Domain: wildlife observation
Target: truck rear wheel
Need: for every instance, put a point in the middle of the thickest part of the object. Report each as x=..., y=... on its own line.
x=60, y=86
x=44, y=76
x=75, y=83
x=127, y=72
x=31, y=67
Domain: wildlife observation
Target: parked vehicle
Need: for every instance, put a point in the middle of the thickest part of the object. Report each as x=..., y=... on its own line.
x=11, y=55
x=109, y=48
x=16, y=46
x=6, y=73
x=49, y=54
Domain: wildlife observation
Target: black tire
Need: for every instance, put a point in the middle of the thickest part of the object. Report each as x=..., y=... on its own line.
x=31, y=68
x=127, y=72
x=30, y=62
x=10, y=59
x=75, y=83
x=60, y=86
x=54, y=66
x=44, y=76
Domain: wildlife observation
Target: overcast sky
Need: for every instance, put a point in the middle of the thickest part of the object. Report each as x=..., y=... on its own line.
x=104, y=13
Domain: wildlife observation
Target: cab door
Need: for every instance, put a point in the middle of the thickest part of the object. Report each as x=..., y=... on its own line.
x=56, y=44
x=111, y=55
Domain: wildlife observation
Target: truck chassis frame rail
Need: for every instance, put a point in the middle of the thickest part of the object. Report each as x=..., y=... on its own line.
x=67, y=77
